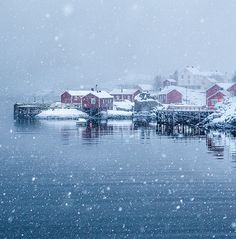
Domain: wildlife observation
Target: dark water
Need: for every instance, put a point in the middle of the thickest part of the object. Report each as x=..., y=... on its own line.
x=114, y=181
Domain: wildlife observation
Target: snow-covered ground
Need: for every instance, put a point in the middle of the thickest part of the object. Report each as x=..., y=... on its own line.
x=116, y=114
x=61, y=114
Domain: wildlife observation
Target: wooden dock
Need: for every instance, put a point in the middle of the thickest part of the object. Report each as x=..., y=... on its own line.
x=28, y=111
x=174, y=117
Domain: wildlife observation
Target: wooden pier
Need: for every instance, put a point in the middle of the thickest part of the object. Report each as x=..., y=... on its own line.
x=28, y=111
x=176, y=116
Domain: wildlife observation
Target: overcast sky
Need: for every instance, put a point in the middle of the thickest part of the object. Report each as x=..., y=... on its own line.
x=67, y=44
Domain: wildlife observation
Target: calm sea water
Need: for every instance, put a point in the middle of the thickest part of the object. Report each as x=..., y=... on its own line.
x=114, y=181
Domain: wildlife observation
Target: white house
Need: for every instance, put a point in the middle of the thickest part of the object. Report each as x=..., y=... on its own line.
x=193, y=78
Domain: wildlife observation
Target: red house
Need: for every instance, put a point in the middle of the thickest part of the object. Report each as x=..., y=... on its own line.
x=170, y=95
x=216, y=98
x=97, y=100
x=169, y=82
x=217, y=92
x=73, y=96
x=125, y=94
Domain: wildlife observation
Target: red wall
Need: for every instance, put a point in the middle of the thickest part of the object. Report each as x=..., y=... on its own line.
x=66, y=98
x=212, y=90
x=174, y=97
x=86, y=102
x=126, y=96
x=99, y=103
x=232, y=90
x=218, y=97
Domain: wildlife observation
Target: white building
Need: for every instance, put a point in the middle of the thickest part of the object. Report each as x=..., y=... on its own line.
x=192, y=77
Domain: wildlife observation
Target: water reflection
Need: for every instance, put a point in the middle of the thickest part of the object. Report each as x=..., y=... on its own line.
x=116, y=172
x=179, y=131
x=216, y=144
x=221, y=145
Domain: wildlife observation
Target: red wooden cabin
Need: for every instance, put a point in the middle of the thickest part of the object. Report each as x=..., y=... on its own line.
x=73, y=96
x=170, y=95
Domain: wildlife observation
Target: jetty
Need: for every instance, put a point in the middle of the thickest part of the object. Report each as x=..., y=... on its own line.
x=28, y=111
x=181, y=114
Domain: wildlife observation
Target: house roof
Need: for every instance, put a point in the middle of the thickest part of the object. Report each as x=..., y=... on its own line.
x=168, y=89
x=101, y=94
x=224, y=92
x=78, y=92
x=225, y=86
x=123, y=91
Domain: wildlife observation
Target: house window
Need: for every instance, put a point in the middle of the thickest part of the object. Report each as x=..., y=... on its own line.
x=213, y=101
x=93, y=101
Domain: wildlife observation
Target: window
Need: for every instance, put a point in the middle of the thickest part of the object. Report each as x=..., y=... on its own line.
x=93, y=101
x=213, y=101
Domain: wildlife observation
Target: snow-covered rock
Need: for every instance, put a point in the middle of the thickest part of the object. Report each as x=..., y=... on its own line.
x=116, y=114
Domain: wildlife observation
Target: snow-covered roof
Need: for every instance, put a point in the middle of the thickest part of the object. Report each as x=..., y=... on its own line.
x=168, y=89
x=78, y=92
x=101, y=94
x=225, y=86
x=123, y=91
x=225, y=92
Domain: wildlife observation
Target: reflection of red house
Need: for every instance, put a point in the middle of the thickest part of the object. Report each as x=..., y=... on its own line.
x=73, y=96
x=169, y=82
x=124, y=94
x=170, y=95
x=217, y=92
x=98, y=100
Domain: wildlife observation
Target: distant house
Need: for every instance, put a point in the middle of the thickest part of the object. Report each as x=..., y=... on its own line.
x=170, y=95
x=73, y=96
x=217, y=92
x=194, y=78
x=124, y=94
x=95, y=100
x=169, y=82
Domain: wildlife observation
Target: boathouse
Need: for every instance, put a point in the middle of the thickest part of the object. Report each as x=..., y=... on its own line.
x=170, y=95
x=73, y=97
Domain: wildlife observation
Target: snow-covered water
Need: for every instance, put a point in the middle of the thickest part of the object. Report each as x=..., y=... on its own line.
x=114, y=181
